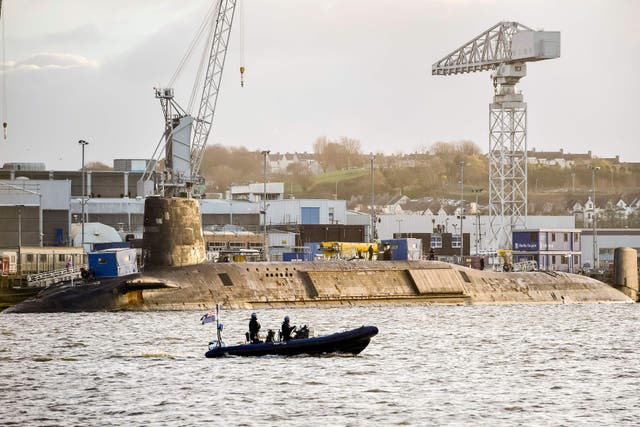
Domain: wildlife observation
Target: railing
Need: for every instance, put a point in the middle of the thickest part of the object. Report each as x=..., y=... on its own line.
x=53, y=276
x=528, y=265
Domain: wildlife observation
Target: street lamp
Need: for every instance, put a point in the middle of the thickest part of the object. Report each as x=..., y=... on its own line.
x=477, y=192
x=265, y=153
x=373, y=200
x=83, y=143
x=20, y=207
x=596, y=256
x=461, y=163
x=399, y=221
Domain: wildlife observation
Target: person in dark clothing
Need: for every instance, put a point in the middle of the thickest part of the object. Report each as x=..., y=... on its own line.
x=386, y=255
x=432, y=254
x=254, y=328
x=481, y=263
x=370, y=250
x=287, y=329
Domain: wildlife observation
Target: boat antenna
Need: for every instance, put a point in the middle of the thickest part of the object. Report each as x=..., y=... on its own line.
x=219, y=325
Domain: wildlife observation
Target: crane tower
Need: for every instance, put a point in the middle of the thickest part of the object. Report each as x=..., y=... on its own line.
x=504, y=49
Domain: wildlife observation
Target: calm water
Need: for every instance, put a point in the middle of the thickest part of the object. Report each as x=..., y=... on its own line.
x=429, y=365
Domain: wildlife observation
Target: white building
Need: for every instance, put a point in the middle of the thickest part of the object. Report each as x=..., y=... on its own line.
x=257, y=191
x=476, y=226
x=306, y=211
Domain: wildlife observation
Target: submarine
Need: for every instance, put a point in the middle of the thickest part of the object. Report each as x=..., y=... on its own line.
x=177, y=276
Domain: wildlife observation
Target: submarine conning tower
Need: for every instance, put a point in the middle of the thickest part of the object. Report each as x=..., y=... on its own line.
x=172, y=232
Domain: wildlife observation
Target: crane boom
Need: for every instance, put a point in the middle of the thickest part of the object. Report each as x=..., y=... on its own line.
x=211, y=88
x=485, y=52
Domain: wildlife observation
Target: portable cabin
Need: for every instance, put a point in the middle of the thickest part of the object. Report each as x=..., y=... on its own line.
x=38, y=259
x=404, y=249
x=113, y=262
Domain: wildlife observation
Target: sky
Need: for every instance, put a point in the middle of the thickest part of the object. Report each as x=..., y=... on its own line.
x=78, y=69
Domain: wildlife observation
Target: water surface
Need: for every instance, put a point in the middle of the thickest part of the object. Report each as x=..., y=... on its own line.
x=429, y=365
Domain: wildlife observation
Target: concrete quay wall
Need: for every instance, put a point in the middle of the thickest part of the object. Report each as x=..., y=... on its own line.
x=335, y=283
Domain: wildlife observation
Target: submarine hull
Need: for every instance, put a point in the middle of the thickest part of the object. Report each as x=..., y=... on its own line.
x=325, y=283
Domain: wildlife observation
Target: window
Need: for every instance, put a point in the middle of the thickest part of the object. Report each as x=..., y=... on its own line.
x=533, y=237
x=576, y=237
x=553, y=259
x=215, y=246
x=29, y=257
x=43, y=257
x=436, y=240
x=566, y=237
x=61, y=258
x=456, y=241
x=553, y=237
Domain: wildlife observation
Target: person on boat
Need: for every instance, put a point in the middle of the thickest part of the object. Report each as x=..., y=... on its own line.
x=287, y=329
x=254, y=328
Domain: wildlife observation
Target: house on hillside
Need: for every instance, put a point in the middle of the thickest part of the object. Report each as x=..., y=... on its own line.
x=281, y=162
x=395, y=205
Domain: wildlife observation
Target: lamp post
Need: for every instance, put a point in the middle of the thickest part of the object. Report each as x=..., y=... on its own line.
x=461, y=163
x=265, y=251
x=596, y=256
x=83, y=143
x=373, y=201
x=20, y=225
x=477, y=191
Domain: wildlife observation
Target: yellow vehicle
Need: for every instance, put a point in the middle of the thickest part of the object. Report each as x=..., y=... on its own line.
x=349, y=250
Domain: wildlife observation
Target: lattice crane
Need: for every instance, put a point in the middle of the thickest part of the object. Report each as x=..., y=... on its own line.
x=504, y=49
x=185, y=136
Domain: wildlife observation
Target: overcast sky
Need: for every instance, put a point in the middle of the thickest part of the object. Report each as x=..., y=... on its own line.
x=79, y=69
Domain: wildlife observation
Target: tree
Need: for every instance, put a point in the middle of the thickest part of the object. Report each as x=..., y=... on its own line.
x=97, y=166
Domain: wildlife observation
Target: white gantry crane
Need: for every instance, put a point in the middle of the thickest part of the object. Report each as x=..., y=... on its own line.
x=504, y=49
x=185, y=136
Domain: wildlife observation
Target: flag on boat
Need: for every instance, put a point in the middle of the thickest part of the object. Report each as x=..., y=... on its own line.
x=208, y=318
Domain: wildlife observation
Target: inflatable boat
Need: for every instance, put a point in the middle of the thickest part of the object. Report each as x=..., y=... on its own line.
x=349, y=342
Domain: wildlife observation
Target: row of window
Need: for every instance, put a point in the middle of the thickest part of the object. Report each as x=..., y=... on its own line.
x=436, y=241
x=533, y=237
x=45, y=257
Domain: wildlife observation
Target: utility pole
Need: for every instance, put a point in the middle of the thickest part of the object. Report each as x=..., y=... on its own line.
x=265, y=251
x=83, y=143
x=596, y=260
